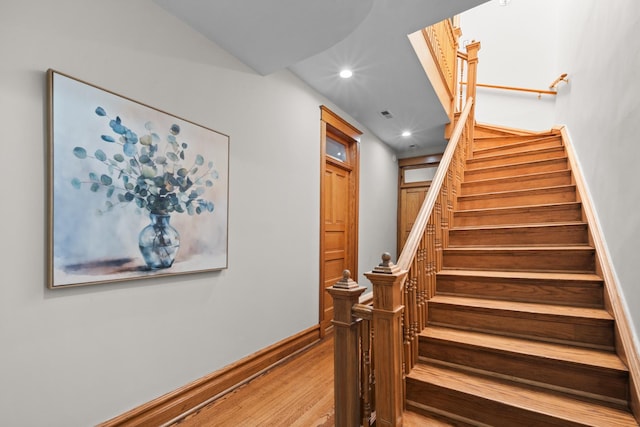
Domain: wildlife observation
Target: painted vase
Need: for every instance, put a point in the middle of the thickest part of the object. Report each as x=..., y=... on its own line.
x=159, y=242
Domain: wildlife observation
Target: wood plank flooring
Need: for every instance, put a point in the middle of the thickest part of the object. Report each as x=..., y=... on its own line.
x=296, y=393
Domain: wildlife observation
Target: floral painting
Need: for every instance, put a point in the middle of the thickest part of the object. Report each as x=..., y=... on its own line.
x=134, y=192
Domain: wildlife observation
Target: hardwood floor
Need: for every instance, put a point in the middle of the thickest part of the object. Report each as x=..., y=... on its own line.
x=297, y=393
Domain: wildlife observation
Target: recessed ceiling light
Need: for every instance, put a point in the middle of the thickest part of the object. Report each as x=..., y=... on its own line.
x=406, y=133
x=345, y=74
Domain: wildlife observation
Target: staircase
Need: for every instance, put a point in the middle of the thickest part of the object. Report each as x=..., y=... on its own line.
x=517, y=332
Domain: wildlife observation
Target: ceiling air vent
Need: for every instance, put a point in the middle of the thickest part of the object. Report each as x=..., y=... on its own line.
x=386, y=114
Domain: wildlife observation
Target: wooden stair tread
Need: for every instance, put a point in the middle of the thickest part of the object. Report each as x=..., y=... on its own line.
x=533, y=275
x=516, y=178
x=518, y=138
x=527, y=398
x=516, y=227
x=577, y=355
x=535, y=309
x=519, y=248
x=558, y=151
x=489, y=211
x=499, y=130
x=415, y=419
x=515, y=193
x=521, y=144
x=512, y=235
x=517, y=164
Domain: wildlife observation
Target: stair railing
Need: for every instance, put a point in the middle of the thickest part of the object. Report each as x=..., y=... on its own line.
x=376, y=346
x=368, y=389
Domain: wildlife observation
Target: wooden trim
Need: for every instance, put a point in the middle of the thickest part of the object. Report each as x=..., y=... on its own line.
x=625, y=344
x=339, y=123
x=420, y=160
x=332, y=124
x=429, y=160
x=515, y=131
x=562, y=78
x=206, y=389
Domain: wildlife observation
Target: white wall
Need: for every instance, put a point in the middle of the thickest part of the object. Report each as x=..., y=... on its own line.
x=530, y=43
x=75, y=357
x=383, y=183
x=518, y=45
x=601, y=106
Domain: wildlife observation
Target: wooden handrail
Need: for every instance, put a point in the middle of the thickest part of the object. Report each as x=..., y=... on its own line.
x=514, y=88
x=562, y=78
x=417, y=231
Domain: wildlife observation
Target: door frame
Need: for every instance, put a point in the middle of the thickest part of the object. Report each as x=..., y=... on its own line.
x=333, y=125
x=419, y=162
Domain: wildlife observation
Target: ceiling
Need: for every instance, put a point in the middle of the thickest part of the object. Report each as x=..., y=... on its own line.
x=315, y=39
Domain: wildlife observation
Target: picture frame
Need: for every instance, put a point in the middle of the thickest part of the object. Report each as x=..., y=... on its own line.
x=133, y=192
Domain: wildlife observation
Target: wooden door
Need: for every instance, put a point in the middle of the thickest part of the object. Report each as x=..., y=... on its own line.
x=410, y=202
x=336, y=229
x=338, y=207
x=414, y=180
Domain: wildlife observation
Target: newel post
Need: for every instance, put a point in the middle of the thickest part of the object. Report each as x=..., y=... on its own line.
x=472, y=79
x=388, y=281
x=346, y=356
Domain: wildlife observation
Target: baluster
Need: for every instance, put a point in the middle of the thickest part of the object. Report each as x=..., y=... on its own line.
x=444, y=213
x=346, y=354
x=372, y=381
x=387, y=280
x=406, y=325
x=413, y=317
x=451, y=194
x=422, y=282
x=438, y=240
x=432, y=255
x=366, y=371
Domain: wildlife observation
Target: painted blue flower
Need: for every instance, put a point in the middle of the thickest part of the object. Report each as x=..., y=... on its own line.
x=107, y=138
x=129, y=149
x=117, y=126
x=175, y=129
x=130, y=137
x=100, y=111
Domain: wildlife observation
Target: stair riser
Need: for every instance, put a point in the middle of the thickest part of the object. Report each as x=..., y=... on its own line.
x=571, y=377
x=512, y=184
x=565, y=329
x=491, y=141
x=577, y=294
x=552, y=165
x=530, y=236
x=476, y=408
x=515, y=158
x=562, y=260
x=533, y=215
x=517, y=148
x=519, y=198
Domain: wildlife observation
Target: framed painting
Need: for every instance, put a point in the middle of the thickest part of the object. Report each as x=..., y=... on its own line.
x=134, y=192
